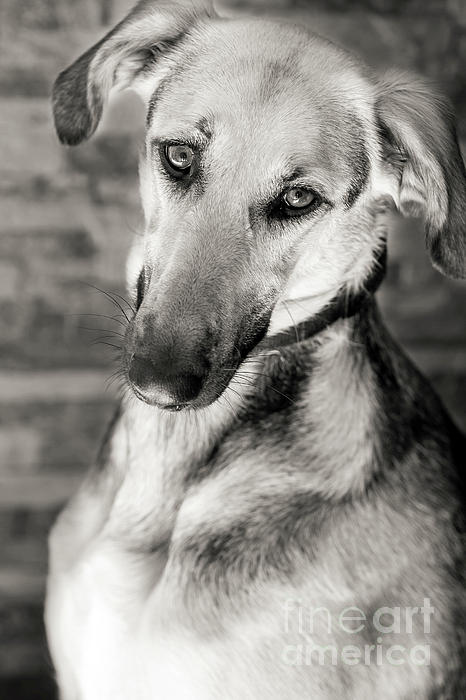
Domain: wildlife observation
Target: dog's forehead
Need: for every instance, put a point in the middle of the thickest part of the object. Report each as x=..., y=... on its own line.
x=269, y=91
x=245, y=68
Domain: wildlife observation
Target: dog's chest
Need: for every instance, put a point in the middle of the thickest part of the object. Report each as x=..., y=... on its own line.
x=116, y=618
x=104, y=587
x=109, y=632
x=117, y=631
x=94, y=614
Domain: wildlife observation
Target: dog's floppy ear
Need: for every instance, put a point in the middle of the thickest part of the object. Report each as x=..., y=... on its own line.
x=80, y=91
x=420, y=147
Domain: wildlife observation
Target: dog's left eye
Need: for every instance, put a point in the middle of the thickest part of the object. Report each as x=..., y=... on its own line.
x=298, y=199
x=295, y=202
x=178, y=159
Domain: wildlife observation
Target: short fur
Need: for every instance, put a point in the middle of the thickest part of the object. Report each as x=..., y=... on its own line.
x=316, y=475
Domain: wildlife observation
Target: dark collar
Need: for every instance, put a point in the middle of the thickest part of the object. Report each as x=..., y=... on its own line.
x=345, y=305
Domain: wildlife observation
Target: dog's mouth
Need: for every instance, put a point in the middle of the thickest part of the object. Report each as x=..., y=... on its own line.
x=151, y=400
x=177, y=394
x=197, y=382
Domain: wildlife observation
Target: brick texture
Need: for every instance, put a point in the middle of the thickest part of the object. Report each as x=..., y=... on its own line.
x=66, y=224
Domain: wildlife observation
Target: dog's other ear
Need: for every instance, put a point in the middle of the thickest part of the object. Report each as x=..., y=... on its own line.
x=420, y=148
x=80, y=91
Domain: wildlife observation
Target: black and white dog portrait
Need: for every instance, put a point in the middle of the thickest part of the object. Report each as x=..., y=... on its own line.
x=276, y=507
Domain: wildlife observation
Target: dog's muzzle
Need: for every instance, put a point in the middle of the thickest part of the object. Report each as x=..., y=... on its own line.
x=167, y=364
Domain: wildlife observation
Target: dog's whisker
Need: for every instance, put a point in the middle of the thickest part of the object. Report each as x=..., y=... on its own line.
x=117, y=373
x=235, y=382
x=240, y=374
x=230, y=388
x=254, y=374
x=112, y=299
x=235, y=347
x=104, y=337
x=297, y=303
x=104, y=342
x=266, y=354
x=110, y=333
x=270, y=386
x=125, y=300
x=116, y=377
x=292, y=320
x=245, y=379
x=223, y=399
x=111, y=318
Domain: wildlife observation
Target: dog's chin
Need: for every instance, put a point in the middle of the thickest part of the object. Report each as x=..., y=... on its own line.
x=158, y=399
x=210, y=391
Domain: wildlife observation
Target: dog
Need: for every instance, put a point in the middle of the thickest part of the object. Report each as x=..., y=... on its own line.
x=276, y=511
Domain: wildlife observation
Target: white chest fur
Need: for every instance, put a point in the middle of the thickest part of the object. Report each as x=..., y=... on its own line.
x=95, y=619
x=112, y=639
x=107, y=554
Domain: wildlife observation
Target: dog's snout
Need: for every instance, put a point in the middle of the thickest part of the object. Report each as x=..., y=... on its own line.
x=167, y=362
x=156, y=383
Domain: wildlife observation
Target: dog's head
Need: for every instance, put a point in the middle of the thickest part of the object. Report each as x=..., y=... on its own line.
x=268, y=152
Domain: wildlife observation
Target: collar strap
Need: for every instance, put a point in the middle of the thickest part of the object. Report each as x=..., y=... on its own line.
x=344, y=305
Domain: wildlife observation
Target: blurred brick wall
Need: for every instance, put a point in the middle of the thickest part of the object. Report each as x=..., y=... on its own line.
x=66, y=221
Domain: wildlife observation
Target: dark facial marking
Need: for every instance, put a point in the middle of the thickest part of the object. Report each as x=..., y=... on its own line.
x=154, y=100
x=175, y=72
x=252, y=329
x=140, y=288
x=205, y=126
x=274, y=74
x=359, y=162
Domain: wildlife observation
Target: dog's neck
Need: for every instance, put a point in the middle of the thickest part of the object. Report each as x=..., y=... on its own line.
x=344, y=304
x=327, y=386
x=324, y=391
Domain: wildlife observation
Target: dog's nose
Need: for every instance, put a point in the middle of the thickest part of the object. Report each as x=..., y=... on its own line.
x=169, y=387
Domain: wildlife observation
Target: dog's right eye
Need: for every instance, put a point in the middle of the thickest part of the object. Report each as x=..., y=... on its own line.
x=177, y=159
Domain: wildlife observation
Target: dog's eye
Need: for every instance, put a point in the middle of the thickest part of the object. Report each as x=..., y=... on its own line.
x=298, y=199
x=178, y=159
x=294, y=202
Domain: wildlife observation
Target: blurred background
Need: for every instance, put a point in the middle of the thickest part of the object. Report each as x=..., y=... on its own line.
x=66, y=221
